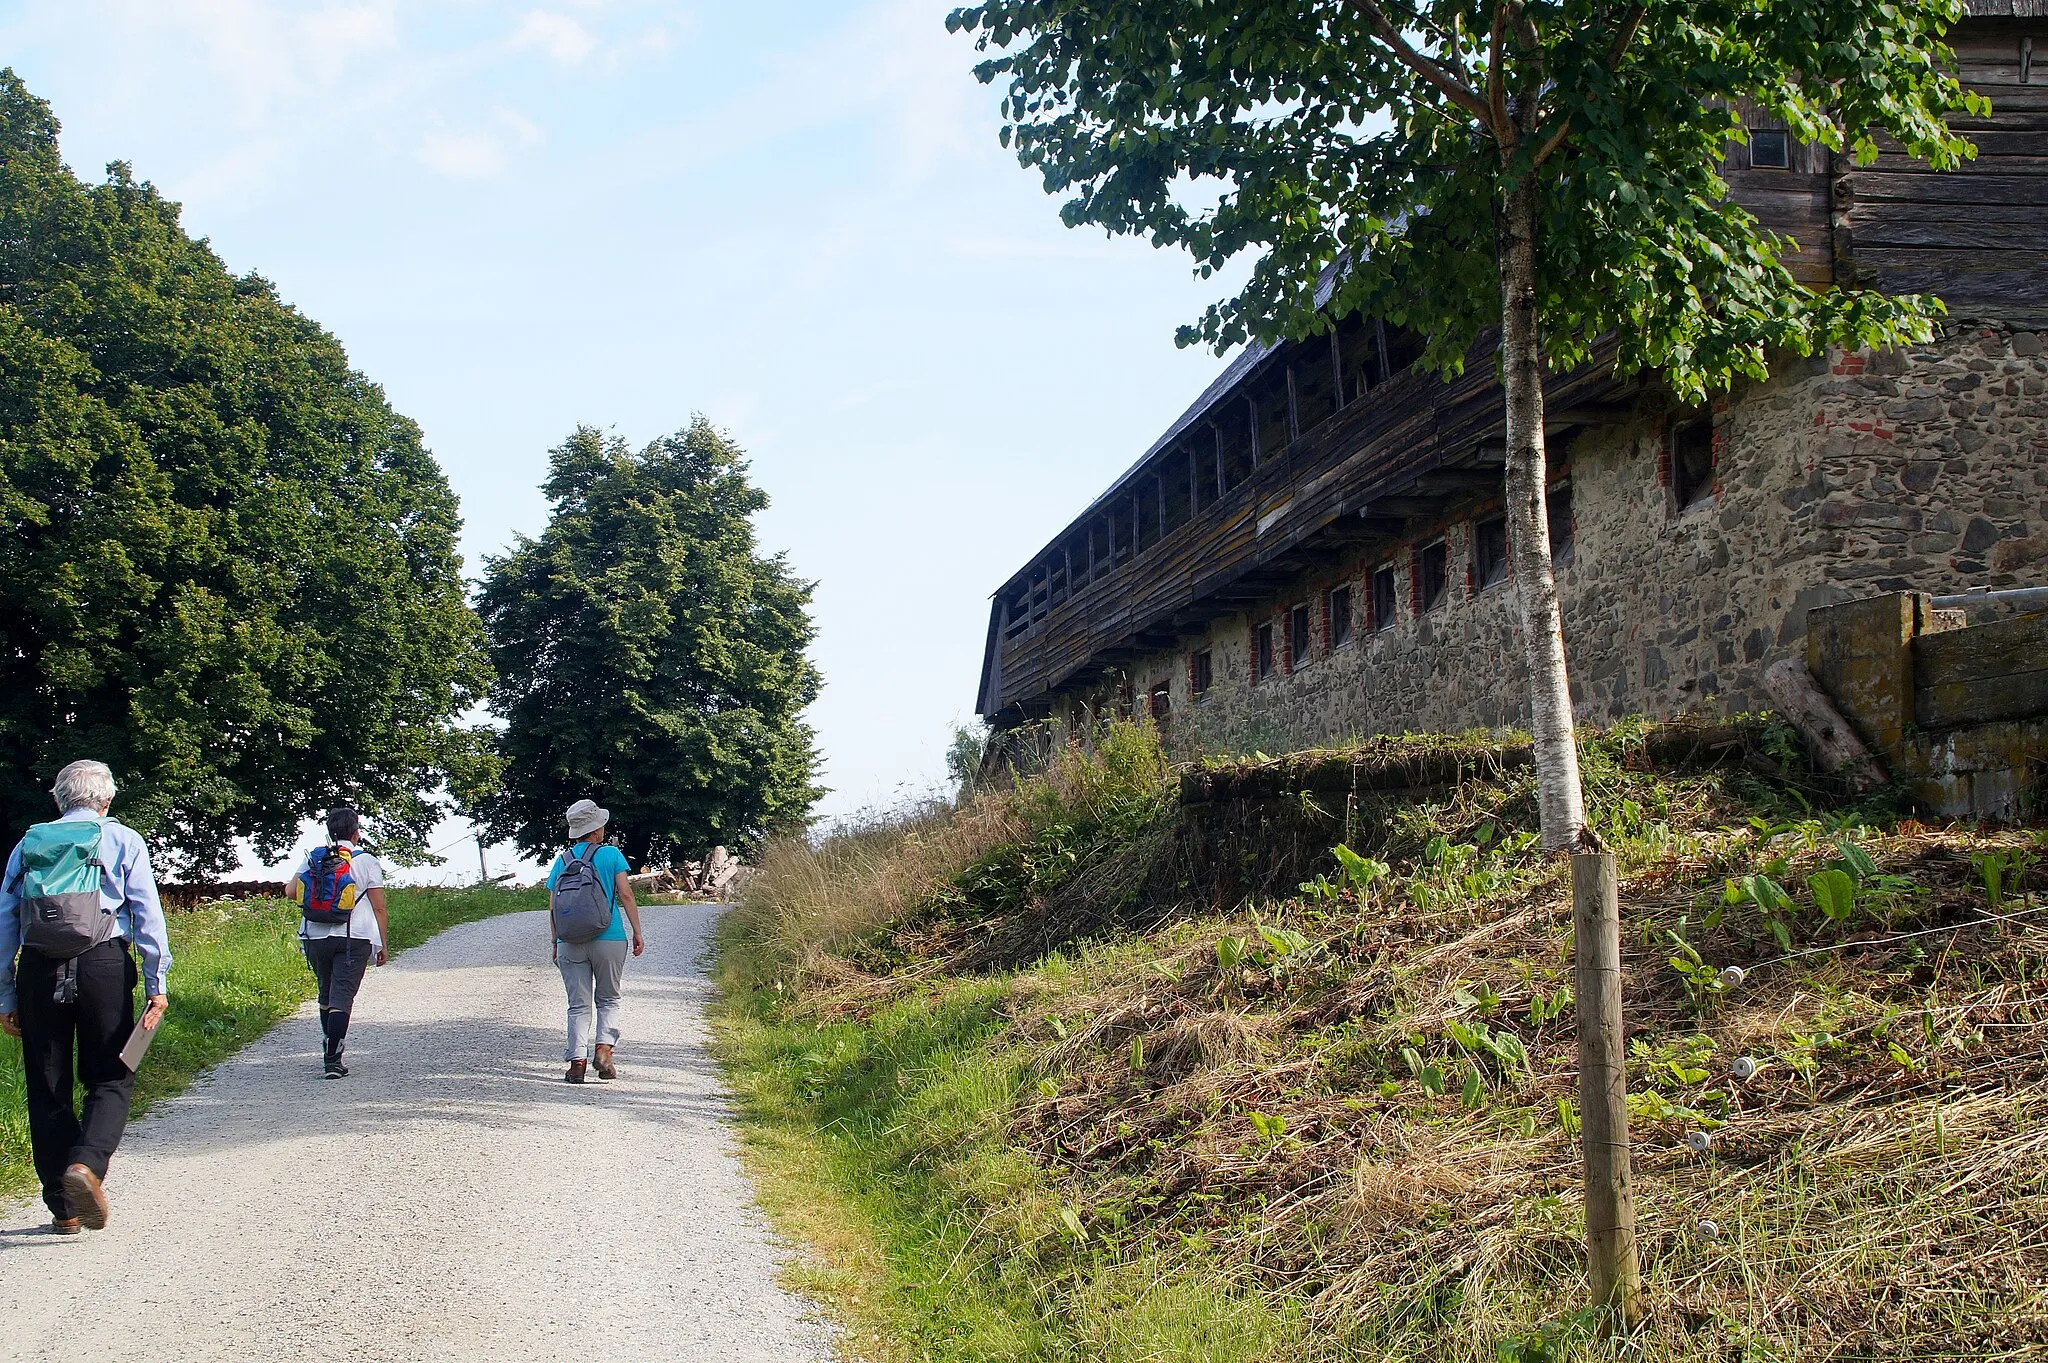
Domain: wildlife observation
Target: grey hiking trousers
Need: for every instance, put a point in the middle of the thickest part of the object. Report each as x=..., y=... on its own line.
x=591, y=972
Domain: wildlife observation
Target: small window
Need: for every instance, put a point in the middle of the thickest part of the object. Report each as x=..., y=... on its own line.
x=1160, y=702
x=1201, y=672
x=1434, y=569
x=1769, y=149
x=1490, y=552
x=1557, y=508
x=1262, y=652
x=1692, y=462
x=1297, y=636
x=1383, y=605
x=1339, y=603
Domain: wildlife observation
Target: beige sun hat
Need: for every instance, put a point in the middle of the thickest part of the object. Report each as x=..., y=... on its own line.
x=587, y=816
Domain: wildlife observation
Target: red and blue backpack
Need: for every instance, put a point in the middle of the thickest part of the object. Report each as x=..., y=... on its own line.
x=326, y=890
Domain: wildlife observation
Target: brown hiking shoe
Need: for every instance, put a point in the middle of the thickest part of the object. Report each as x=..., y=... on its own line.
x=65, y=1225
x=88, y=1200
x=576, y=1069
x=605, y=1068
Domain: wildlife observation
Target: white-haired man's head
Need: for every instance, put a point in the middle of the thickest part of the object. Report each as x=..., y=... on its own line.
x=84, y=785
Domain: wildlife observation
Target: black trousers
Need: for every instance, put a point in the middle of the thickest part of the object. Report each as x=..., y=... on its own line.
x=339, y=964
x=80, y=1041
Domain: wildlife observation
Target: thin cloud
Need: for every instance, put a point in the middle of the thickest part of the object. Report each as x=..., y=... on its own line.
x=482, y=153
x=462, y=156
x=559, y=36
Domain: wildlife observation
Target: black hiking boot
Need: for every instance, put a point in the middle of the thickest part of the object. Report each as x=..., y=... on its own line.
x=332, y=1066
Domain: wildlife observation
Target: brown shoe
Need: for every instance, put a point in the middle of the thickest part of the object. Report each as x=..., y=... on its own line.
x=65, y=1225
x=576, y=1069
x=605, y=1068
x=88, y=1199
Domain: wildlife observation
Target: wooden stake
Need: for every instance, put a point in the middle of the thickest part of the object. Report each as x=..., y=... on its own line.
x=1603, y=1090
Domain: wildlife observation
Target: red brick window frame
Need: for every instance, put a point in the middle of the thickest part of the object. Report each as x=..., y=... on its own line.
x=1339, y=619
x=1432, y=576
x=1300, y=637
x=1385, y=604
x=1489, y=552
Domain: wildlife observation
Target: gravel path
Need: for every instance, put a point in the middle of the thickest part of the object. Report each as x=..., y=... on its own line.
x=451, y=1200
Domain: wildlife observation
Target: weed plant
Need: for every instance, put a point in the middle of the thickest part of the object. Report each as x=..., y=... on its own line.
x=1341, y=1123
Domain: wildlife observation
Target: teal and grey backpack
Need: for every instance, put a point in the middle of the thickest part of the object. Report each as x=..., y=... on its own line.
x=61, y=914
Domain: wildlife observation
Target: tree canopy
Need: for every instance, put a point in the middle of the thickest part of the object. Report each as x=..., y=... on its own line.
x=1386, y=136
x=228, y=567
x=648, y=657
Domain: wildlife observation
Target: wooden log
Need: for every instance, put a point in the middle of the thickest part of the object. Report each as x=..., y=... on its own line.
x=1611, y=1259
x=1834, y=743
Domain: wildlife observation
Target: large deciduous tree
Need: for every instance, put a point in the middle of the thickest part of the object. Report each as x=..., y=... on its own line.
x=648, y=657
x=227, y=567
x=1547, y=167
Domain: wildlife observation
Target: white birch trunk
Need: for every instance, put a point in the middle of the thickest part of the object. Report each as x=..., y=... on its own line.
x=1560, y=800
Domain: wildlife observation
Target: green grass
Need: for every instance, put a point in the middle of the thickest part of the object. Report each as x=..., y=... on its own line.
x=878, y=1144
x=237, y=970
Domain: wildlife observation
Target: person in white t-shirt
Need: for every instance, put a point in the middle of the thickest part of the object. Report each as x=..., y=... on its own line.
x=341, y=953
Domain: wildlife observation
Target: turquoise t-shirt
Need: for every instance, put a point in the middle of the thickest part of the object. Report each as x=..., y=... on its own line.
x=611, y=864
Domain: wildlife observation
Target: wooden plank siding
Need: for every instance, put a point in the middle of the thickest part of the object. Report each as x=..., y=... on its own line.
x=1976, y=236
x=1981, y=674
x=1273, y=467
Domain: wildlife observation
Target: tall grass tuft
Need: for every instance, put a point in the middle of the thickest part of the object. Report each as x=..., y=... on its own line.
x=811, y=897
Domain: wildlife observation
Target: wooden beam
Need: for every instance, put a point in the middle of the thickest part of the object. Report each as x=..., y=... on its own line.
x=1591, y=414
x=1405, y=506
x=1460, y=480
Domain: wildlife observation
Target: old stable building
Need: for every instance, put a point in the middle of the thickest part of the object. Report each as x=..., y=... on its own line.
x=1315, y=549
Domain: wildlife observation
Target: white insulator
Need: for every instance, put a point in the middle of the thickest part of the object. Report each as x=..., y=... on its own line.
x=1711, y=1229
x=1699, y=1142
x=1732, y=976
x=1744, y=1068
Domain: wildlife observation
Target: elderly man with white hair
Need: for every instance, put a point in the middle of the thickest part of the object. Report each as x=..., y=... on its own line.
x=77, y=894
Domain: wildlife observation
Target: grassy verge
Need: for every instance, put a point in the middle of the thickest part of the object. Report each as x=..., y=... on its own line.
x=237, y=971
x=1066, y=1076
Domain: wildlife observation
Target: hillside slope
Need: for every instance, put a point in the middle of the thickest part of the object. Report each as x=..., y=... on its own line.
x=1128, y=1064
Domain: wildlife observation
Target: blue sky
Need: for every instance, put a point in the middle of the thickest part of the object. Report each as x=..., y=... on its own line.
x=794, y=218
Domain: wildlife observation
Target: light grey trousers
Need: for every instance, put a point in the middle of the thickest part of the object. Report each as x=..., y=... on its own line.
x=591, y=972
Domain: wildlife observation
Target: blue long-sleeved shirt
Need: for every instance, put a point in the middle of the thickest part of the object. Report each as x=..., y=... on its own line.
x=128, y=890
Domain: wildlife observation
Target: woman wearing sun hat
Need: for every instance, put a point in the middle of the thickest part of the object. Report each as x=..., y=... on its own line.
x=592, y=970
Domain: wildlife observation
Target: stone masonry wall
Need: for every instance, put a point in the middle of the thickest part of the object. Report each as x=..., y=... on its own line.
x=1924, y=469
